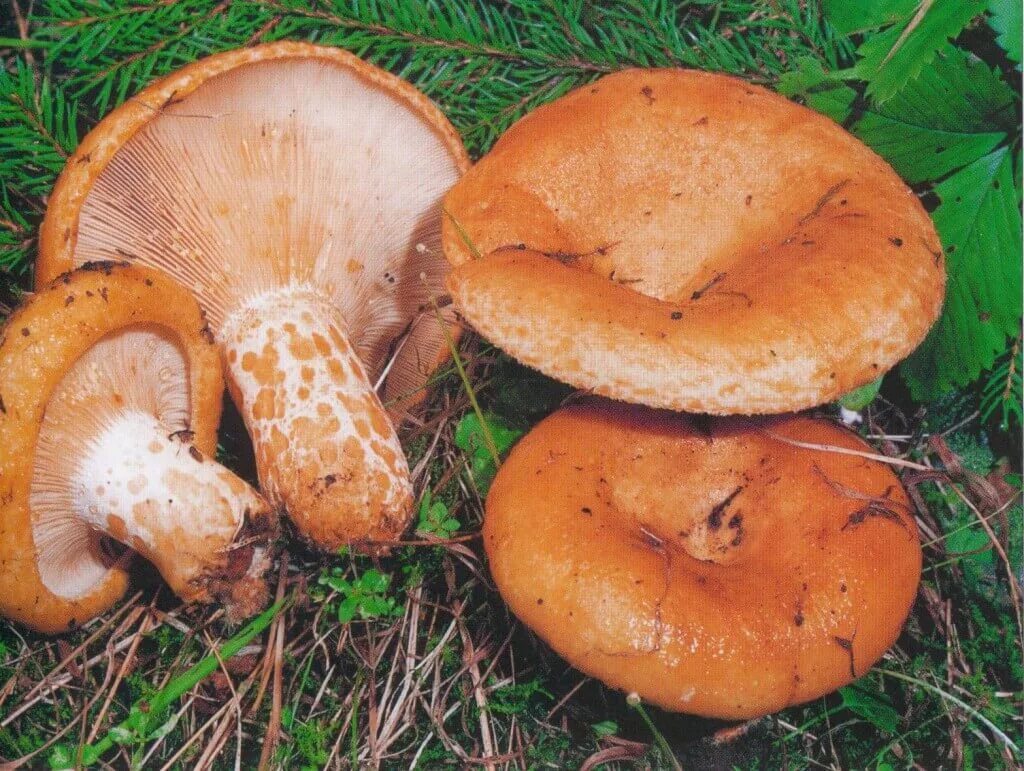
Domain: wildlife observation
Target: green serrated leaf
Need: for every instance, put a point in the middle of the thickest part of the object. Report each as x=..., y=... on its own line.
x=605, y=728
x=819, y=90
x=1005, y=19
x=946, y=118
x=891, y=58
x=980, y=226
x=849, y=16
x=874, y=706
x=952, y=114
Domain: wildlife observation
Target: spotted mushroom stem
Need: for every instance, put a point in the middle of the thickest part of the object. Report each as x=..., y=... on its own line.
x=204, y=529
x=325, y=447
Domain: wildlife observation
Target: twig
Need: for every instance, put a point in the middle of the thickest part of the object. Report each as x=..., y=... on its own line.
x=274, y=726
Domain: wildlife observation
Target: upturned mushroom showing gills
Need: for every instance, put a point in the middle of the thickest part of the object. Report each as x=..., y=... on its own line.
x=687, y=240
x=110, y=395
x=296, y=191
x=728, y=569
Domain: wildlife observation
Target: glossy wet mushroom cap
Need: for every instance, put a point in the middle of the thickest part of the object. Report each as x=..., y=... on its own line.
x=110, y=394
x=714, y=568
x=686, y=240
x=296, y=190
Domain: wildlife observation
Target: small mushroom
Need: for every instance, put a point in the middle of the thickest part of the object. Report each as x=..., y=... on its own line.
x=721, y=569
x=110, y=395
x=296, y=191
x=686, y=240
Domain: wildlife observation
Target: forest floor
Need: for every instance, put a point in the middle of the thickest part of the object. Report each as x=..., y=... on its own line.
x=433, y=670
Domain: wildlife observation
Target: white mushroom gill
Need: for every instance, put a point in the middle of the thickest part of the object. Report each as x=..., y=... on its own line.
x=113, y=457
x=300, y=201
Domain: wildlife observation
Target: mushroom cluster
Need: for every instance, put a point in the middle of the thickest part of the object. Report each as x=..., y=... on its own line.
x=685, y=240
x=296, y=191
x=672, y=239
x=273, y=211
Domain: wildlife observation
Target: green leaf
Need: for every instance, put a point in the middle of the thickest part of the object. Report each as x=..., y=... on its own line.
x=469, y=437
x=374, y=581
x=1005, y=19
x=849, y=16
x=871, y=705
x=347, y=609
x=891, y=58
x=62, y=757
x=859, y=398
x=958, y=92
x=605, y=728
x=980, y=226
x=946, y=118
x=335, y=582
x=374, y=606
x=819, y=90
x=974, y=549
x=434, y=518
x=952, y=114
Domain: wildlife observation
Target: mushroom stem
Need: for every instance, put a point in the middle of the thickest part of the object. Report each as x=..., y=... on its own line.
x=325, y=447
x=203, y=528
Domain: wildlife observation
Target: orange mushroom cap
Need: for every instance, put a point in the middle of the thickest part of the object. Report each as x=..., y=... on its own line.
x=720, y=570
x=296, y=191
x=110, y=395
x=687, y=240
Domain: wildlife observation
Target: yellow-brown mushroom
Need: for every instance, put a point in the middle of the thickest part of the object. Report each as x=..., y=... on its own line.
x=722, y=569
x=110, y=395
x=687, y=240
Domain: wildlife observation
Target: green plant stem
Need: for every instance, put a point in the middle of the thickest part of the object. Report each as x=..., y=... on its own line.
x=1006, y=740
x=492, y=447
x=635, y=703
x=181, y=684
x=463, y=235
